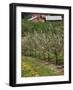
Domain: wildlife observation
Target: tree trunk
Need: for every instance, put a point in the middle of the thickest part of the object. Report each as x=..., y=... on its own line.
x=56, y=56
x=48, y=57
x=43, y=55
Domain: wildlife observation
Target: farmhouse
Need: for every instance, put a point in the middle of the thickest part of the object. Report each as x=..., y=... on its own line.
x=43, y=18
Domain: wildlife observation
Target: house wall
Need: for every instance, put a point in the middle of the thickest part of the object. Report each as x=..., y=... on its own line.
x=53, y=17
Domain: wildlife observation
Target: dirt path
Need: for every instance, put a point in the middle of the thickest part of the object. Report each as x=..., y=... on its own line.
x=57, y=68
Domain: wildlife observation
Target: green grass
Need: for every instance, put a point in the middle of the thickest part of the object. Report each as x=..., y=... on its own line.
x=34, y=67
x=54, y=26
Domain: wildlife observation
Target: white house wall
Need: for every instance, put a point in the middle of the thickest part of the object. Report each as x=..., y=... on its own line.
x=53, y=17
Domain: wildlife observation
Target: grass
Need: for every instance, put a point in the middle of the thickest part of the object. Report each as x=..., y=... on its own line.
x=31, y=67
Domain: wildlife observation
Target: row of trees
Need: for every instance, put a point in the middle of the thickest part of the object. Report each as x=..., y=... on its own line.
x=43, y=40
